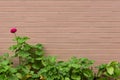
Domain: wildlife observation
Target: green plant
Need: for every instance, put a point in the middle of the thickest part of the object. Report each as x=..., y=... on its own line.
x=74, y=69
x=7, y=71
x=30, y=57
x=80, y=69
x=50, y=70
x=110, y=71
x=34, y=65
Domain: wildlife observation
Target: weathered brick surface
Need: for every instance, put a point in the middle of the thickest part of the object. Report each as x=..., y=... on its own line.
x=82, y=28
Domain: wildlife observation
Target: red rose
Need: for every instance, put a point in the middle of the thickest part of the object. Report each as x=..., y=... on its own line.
x=13, y=30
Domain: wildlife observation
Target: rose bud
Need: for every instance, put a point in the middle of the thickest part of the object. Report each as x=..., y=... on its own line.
x=13, y=30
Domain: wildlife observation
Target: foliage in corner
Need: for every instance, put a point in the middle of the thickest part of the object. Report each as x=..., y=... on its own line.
x=6, y=68
x=110, y=71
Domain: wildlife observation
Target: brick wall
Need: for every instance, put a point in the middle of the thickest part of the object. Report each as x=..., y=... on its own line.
x=82, y=28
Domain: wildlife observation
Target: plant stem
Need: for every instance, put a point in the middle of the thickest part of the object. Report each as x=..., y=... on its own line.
x=16, y=37
x=20, y=59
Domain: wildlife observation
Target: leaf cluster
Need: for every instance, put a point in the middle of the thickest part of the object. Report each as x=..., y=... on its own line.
x=110, y=71
x=34, y=65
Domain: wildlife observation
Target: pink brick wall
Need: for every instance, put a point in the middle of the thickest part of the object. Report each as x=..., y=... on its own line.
x=82, y=28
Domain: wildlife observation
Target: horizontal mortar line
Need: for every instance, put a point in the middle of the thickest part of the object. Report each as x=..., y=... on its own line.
x=68, y=32
x=103, y=11
x=61, y=33
x=36, y=23
x=61, y=44
x=68, y=42
x=57, y=12
x=76, y=37
x=58, y=0
x=50, y=5
x=24, y=17
x=81, y=44
x=68, y=27
x=71, y=32
x=50, y=16
x=62, y=0
x=60, y=13
x=73, y=37
x=83, y=49
x=82, y=26
x=57, y=21
x=79, y=41
x=60, y=10
x=65, y=28
x=76, y=42
x=68, y=6
x=76, y=49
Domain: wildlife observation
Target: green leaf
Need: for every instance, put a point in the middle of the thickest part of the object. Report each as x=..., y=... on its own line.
x=26, y=47
x=117, y=72
x=67, y=78
x=6, y=55
x=110, y=70
x=13, y=70
x=13, y=47
x=2, y=77
x=36, y=66
x=12, y=77
x=87, y=74
x=113, y=63
x=76, y=66
x=23, y=54
x=76, y=77
x=35, y=76
x=39, y=46
x=19, y=75
x=103, y=78
x=39, y=52
x=39, y=58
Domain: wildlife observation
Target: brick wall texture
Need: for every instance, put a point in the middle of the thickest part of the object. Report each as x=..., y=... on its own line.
x=66, y=28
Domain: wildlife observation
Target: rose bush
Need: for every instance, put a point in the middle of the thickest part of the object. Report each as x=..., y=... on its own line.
x=34, y=65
